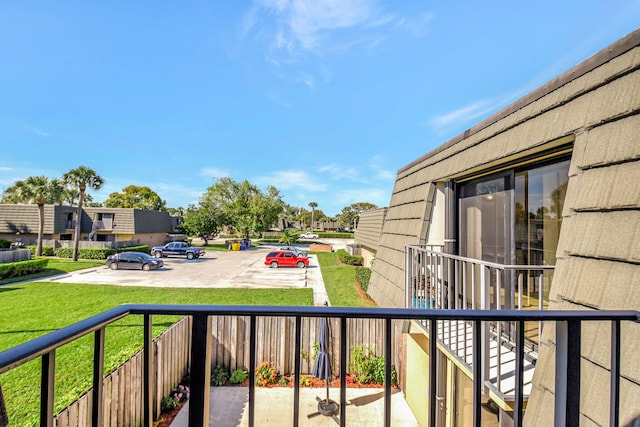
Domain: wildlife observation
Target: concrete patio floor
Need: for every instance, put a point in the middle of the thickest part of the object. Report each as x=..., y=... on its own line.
x=274, y=407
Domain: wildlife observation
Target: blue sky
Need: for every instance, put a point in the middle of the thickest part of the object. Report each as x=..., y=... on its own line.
x=325, y=100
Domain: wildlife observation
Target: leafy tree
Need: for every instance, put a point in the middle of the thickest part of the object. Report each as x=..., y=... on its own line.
x=200, y=221
x=243, y=206
x=70, y=195
x=350, y=214
x=305, y=216
x=81, y=178
x=313, y=206
x=136, y=197
x=288, y=237
x=179, y=211
x=35, y=189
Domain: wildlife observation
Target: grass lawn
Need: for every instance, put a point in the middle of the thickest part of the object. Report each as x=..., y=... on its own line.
x=34, y=309
x=56, y=266
x=339, y=281
x=30, y=310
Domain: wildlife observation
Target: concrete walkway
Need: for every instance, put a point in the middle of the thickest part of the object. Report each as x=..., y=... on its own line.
x=274, y=407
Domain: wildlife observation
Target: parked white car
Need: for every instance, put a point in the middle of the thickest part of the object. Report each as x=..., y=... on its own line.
x=307, y=235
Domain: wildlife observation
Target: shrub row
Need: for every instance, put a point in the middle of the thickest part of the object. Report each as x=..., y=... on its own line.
x=363, y=274
x=139, y=248
x=347, y=258
x=20, y=268
x=336, y=235
x=86, y=253
x=46, y=250
x=98, y=253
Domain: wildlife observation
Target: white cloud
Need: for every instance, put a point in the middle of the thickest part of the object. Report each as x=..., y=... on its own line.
x=340, y=172
x=291, y=180
x=377, y=196
x=213, y=172
x=35, y=130
x=310, y=25
x=378, y=170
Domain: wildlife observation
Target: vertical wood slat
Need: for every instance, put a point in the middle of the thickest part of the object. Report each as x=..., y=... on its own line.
x=106, y=393
x=123, y=393
x=276, y=337
x=115, y=380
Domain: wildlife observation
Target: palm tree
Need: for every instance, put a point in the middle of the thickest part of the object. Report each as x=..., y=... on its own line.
x=81, y=178
x=35, y=189
x=313, y=206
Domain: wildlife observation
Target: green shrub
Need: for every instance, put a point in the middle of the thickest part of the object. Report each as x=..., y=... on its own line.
x=46, y=250
x=367, y=368
x=139, y=248
x=363, y=274
x=336, y=235
x=86, y=253
x=238, y=376
x=219, y=375
x=21, y=268
x=5, y=244
x=347, y=258
x=266, y=374
x=305, y=381
x=178, y=395
x=283, y=381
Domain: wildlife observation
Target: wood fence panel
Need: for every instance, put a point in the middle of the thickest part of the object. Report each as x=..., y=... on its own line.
x=114, y=397
x=160, y=385
x=73, y=415
x=106, y=410
x=63, y=419
x=275, y=343
x=123, y=392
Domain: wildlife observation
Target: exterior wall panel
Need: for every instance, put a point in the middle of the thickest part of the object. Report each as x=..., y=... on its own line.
x=369, y=228
x=597, y=105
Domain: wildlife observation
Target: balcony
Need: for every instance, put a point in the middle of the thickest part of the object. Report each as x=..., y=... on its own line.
x=102, y=225
x=439, y=281
x=568, y=327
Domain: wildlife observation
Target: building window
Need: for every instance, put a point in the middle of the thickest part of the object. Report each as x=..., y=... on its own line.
x=515, y=216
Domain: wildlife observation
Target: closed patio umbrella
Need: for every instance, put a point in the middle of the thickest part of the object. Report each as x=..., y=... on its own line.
x=322, y=368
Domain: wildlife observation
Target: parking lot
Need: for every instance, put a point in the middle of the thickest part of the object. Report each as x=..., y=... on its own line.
x=217, y=269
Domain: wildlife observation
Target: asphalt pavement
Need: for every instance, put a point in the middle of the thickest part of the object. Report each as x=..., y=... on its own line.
x=216, y=269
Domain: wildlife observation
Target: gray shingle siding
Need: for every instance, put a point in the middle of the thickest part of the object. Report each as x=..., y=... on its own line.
x=24, y=218
x=369, y=228
x=596, y=107
x=152, y=221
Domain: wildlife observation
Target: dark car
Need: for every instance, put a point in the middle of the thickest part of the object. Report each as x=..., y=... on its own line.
x=281, y=258
x=133, y=261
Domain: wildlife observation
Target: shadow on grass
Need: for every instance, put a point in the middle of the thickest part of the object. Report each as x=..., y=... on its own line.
x=28, y=277
x=130, y=325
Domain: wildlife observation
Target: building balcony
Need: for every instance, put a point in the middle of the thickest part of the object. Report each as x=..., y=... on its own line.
x=439, y=281
x=200, y=352
x=102, y=225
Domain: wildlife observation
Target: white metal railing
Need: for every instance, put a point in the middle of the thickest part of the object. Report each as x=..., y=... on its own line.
x=440, y=281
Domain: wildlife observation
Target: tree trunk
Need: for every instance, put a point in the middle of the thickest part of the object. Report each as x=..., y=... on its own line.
x=76, y=239
x=40, y=229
